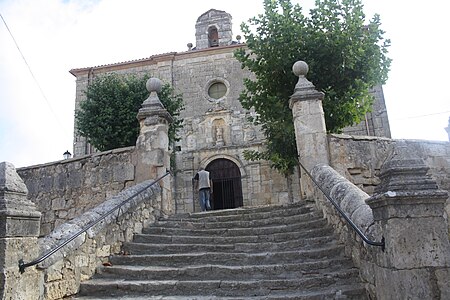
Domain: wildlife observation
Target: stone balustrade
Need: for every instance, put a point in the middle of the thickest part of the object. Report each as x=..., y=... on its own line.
x=407, y=208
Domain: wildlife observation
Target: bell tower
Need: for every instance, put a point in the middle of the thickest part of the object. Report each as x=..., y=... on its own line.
x=213, y=29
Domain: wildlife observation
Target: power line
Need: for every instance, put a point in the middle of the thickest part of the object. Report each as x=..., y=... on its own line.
x=421, y=116
x=34, y=77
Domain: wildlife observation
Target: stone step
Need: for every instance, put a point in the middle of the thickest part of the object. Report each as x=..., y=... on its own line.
x=224, y=272
x=214, y=239
x=259, y=230
x=229, y=258
x=282, y=252
x=350, y=291
x=200, y=224
x=295, y=243
x=243, y=214
x=221, y=288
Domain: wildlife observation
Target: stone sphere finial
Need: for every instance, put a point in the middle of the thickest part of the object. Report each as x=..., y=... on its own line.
x=300, y=68
x=154, y=85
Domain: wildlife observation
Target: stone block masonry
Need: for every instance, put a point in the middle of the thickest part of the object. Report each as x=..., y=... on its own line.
x=65, y=189
x=79, y=260
x=406, y=211
x=360, y=159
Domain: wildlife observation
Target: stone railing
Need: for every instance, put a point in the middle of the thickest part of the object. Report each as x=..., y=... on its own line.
x=407, y=209
x=78, y=261
x=351, y=201
x=60, y=274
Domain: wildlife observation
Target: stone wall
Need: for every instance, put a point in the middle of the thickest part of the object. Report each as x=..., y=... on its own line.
x=79, y=260
x=65, y=189
x=359, y=158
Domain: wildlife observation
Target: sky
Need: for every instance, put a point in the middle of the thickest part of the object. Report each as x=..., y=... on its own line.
x=37, y=97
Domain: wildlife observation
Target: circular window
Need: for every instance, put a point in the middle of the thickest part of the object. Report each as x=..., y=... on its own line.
x=217, y=90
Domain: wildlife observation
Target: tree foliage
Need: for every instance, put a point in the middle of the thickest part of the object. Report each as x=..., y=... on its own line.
x=107, y=118
x=346, y=57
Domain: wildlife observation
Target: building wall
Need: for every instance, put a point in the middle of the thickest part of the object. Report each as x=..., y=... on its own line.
x=216, y=127
x=376, y=122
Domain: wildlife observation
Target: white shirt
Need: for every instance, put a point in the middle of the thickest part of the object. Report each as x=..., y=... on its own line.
x=203, y=179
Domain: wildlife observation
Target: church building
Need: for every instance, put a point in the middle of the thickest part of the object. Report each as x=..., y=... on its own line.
x=216, y=132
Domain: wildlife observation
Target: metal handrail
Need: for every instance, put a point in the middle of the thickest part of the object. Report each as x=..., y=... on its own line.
x=350, y=222
x=23, y=265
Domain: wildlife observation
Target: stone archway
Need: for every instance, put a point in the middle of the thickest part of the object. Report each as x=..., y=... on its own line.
x=227, y=185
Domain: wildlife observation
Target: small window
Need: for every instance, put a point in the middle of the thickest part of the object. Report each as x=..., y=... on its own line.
x=213, y=37
x=217, y=90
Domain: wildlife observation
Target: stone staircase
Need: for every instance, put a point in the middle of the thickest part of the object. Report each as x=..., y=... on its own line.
x=277, y=252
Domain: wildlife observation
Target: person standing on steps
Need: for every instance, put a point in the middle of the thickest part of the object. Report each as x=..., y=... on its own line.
x=204, y=185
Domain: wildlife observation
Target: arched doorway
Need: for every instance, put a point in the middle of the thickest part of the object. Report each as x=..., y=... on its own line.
x=227, y=186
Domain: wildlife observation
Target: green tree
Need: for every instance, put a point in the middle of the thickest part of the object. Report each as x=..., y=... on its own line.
x=107, y=118
x=346, y=58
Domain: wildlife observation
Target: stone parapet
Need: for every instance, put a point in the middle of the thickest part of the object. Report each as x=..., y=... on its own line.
x=19, y=228
x=65, y=189
x=78, y=261
x=409, y=212
x=347, y=196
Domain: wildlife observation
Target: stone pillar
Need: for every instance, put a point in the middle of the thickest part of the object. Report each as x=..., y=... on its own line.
x=309, y=123
x=152, y=145
x=19, y=229
x=408, y=208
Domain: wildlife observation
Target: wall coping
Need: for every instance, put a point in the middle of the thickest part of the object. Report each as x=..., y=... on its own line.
x=79, y=158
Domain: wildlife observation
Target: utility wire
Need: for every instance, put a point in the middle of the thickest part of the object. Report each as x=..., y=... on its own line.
x=421, y=116
x=34, y=77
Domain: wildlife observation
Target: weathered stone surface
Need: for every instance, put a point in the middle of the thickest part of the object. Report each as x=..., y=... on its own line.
x=348, y=197
x=409, y=212
x=443, y=282
x=406, y=284
x=19, y=228
x=10, y=181
x=247, y=252
x=18, y=216
x=414, y=244
x=360, y=159
x=79, y=259
x=218, y=19
x=65, y=189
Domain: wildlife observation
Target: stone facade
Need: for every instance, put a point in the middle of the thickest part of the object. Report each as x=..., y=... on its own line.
x=215, y=127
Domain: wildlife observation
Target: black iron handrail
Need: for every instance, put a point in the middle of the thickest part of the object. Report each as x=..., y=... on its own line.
x=350, y=222
x=23, y=265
